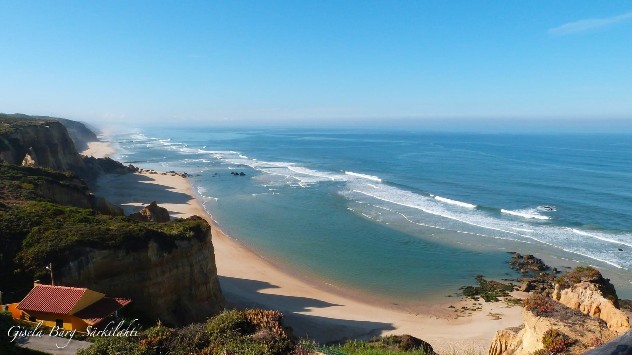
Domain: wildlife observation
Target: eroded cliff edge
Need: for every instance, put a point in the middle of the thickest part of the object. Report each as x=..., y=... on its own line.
x=580, y=314
x=174, y=282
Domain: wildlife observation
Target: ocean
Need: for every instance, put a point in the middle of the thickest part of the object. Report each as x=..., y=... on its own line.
x=407, y=216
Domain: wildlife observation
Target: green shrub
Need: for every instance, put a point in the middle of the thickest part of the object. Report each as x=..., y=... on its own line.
x=230, y=321
x=555, y=341
x=392, y=344
x=489, y=290
x=256, y=332
x=113, y=345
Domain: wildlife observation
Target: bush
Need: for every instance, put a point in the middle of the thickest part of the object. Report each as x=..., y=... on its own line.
x=555, y=341
x=393, y=344
x=577, y=275
x=256, y=332
x=230, y=321
x=539, y=304
x=113, y=345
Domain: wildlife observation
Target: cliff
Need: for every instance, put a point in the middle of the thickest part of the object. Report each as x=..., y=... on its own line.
x=176, y=284
x=80, y=134
x=586, y=290
x=18, y=183
x=563, y=331
x=42, y=143
x=581, y=313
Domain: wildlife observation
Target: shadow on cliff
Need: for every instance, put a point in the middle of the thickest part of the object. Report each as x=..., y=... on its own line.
x=244, y=293
x=135, y=188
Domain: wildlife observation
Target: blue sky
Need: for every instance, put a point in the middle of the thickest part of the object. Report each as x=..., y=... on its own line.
x=318, y=62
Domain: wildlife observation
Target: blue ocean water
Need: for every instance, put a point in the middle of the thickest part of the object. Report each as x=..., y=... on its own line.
x=407, y=216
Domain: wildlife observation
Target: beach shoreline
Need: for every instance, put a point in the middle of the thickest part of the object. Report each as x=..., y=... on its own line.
x=312, y=309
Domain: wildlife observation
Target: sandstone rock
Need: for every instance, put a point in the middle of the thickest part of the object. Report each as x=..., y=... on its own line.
x=152, y=213
x=28, y=161
x=589, y=299
x=527, y=338
x=505, y=341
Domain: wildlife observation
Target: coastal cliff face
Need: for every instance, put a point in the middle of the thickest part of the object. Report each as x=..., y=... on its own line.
x=532, y=335
x=177, y=285
x=19, y=183
x=38, y=143
x=589, y=299
x=581, y=313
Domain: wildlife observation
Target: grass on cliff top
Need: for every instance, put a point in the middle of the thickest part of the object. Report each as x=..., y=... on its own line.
x=37, y=233
x=9, y=123
x=19, y=183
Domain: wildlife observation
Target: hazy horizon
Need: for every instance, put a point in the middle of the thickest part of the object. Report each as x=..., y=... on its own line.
x=432, y=65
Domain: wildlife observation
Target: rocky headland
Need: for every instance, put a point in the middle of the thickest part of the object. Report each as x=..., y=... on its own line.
x=579, y=311
x=48, y=214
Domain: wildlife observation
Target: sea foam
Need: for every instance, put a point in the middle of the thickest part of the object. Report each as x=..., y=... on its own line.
x=364, y=176
x=454, y=202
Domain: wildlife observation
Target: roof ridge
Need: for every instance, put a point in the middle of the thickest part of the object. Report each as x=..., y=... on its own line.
x=55, y=286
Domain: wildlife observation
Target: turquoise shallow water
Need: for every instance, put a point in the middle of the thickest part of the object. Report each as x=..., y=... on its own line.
x=405, y=215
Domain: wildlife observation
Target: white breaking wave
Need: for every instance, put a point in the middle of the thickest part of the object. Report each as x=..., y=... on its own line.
x=454, y=202
x=432, y=213
x=530, y=214
x=601, y=237
x=364, y=176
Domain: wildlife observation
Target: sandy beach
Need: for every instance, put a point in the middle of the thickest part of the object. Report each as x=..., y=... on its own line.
x=247, y=280
x=99, y=149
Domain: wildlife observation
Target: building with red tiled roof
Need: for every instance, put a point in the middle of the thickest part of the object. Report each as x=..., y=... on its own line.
x=66, y=307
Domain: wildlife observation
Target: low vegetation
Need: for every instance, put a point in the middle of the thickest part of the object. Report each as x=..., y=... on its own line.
x=231, y=332
x=539, y=304
x=394, y=344
x=252, y=331
x=555, y=341
x=37, y=233
x=488, y=290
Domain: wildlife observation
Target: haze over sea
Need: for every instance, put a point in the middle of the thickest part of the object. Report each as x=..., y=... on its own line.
x=407, y=216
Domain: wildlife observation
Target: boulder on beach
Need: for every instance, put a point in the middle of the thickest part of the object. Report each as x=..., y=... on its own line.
x=152, y=213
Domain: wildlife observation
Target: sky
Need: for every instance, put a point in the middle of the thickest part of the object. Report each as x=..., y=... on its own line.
x=362, y=63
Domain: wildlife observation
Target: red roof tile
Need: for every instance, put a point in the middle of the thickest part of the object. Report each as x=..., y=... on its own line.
x=52, y=299
x=102, y=309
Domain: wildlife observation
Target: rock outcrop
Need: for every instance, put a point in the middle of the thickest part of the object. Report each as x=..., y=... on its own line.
x=581, y=313
x=586, y=290
x=582, y=332
x=177, y=285
x=152, y=213
x=589, y=299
